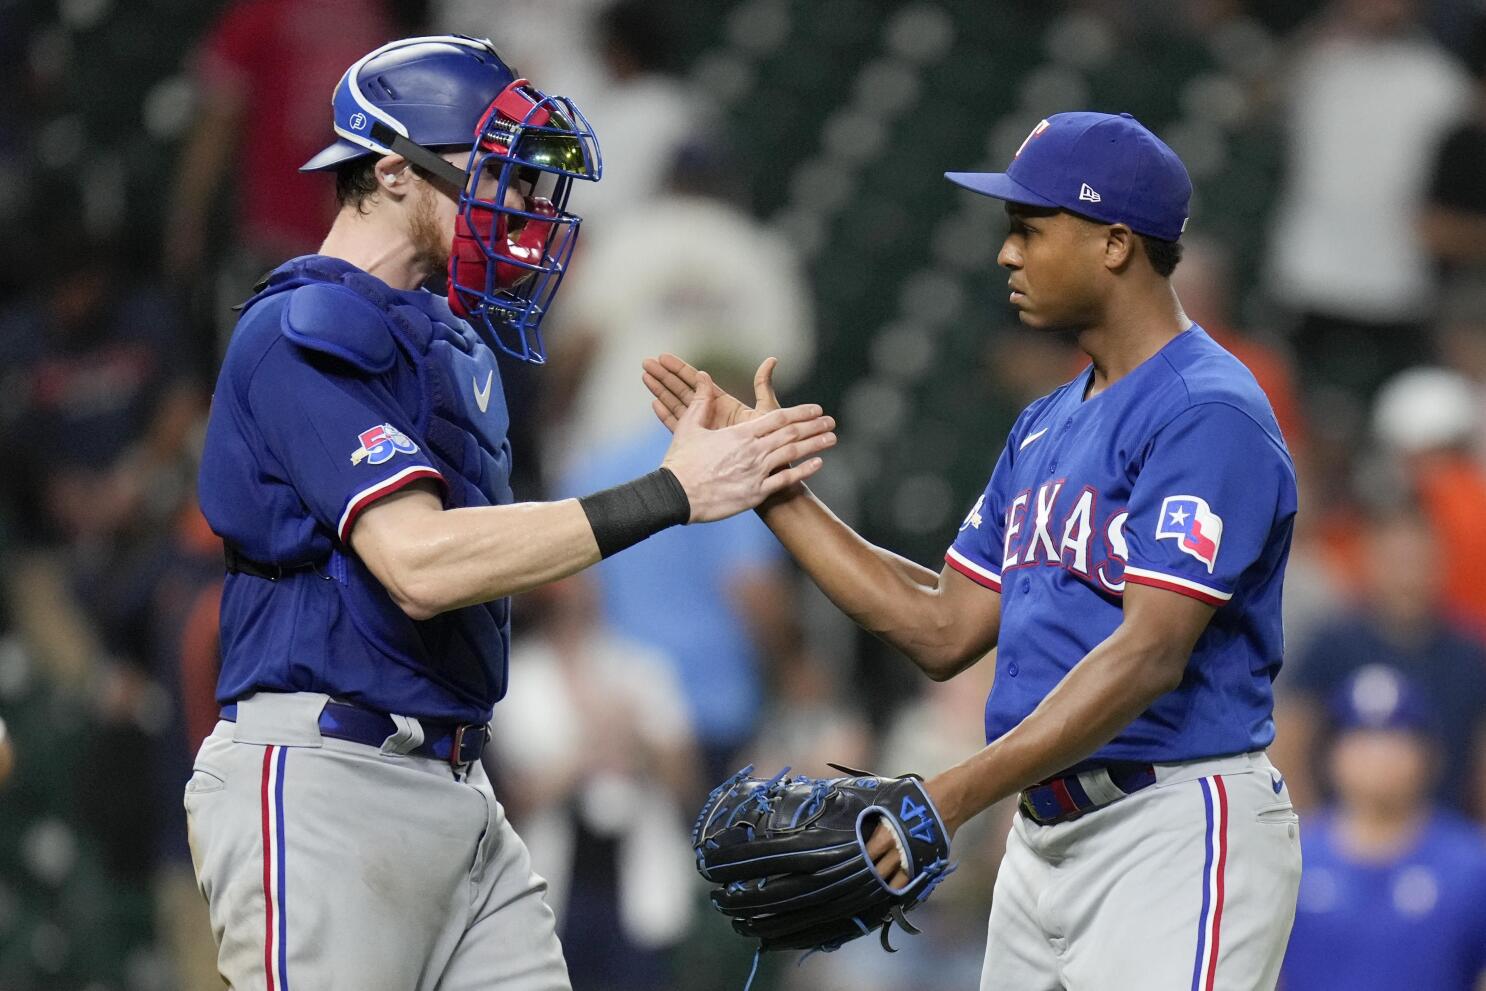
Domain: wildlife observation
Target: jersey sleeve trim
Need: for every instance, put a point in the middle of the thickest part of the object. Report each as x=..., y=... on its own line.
x=386, y=487
x=976, y=573
x=1155, y=579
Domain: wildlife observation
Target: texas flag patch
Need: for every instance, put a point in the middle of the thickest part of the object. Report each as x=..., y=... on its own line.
x=1196, y=529
x=380, y=443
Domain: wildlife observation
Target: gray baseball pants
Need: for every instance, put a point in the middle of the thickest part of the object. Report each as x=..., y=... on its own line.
x=1188, y=885
x=332, y=865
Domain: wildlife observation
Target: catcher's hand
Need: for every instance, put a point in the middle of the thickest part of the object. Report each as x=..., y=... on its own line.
x=791, y=855
x=673, y=382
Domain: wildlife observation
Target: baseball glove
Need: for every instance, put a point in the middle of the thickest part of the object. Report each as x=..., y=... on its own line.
x=790, y=855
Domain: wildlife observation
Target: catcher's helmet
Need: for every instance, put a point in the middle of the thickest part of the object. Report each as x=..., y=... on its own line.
x=419, y=94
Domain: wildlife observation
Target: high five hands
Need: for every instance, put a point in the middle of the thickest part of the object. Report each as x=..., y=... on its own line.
x=673, y=383
x=727, y=456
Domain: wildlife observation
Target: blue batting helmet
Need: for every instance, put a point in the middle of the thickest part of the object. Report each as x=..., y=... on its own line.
x=413, y=96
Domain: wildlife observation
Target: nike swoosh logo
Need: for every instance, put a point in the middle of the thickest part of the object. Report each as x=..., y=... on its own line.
x=1031, y=437
x=482, y=399
x=1277, y=784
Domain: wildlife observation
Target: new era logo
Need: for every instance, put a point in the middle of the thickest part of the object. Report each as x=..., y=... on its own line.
x=1087, y=194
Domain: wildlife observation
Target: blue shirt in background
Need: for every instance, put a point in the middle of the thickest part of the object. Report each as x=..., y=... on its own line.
x=672, y=592
x=1446, y=665
x=1416, y=921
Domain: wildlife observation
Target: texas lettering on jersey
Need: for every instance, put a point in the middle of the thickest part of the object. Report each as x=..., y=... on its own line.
x=1073, y=536
x=1077, y=539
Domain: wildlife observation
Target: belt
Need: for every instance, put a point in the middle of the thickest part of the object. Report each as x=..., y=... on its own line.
x=237, y=564
x=1067, y=797
x=453, y=743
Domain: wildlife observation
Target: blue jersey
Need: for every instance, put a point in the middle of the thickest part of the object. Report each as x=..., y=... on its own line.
x=1417, y=920
x=337, y=391
x=1175, y=476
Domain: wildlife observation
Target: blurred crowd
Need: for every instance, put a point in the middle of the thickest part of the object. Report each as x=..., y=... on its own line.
x=1349, y=274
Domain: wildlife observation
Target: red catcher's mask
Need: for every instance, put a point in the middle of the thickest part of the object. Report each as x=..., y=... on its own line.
x=506, y=262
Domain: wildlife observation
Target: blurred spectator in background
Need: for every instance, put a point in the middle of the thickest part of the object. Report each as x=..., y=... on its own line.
x=681, y=271
x=1399, y=622
x=716, y=601
x=1204, y=282
x=1394, y=890
x=595, y=751
x=1453, y=223
x=1429, y=421
x=811, y=719
x=1462, y=328
x=1368, y=98
x=264, y=77
x=641, y=110
x=160, y=608
x=96, y=411
x=550, y=40
x=100, y=405
x=93, y=402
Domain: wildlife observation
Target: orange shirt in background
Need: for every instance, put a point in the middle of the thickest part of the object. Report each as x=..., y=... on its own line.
x=1452, y=490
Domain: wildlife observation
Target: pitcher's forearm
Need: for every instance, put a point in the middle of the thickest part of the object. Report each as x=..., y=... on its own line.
x=1102, y=695
x=889, y=596
x=1143, y=659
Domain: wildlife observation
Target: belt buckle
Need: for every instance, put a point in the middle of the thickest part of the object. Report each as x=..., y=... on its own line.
x=457, y=750
x=1029, y=808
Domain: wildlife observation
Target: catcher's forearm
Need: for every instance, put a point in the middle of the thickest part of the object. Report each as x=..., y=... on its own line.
x=889, y=596
x=1103, y=694
x=432, y=560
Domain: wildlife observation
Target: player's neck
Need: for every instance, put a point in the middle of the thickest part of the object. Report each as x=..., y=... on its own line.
x=378, y=245
x=1379, y=834
x=1136, y=328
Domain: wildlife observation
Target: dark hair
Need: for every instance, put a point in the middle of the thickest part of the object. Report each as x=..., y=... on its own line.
x=1164, y=255
x=355, y=182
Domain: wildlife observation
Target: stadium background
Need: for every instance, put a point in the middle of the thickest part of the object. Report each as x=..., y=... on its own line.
x=773, y=186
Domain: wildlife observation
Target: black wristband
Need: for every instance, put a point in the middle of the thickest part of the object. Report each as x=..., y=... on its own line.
x=628, y=513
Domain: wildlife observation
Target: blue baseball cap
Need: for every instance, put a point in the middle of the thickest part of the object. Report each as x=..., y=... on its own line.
x=1380, y=697
x=1107, y=167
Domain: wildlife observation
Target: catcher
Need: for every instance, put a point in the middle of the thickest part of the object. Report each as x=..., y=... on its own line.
x=1127, y=557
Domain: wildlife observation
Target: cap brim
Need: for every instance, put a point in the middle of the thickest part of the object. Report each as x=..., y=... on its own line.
x=341, y=151
x=1000, y=186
